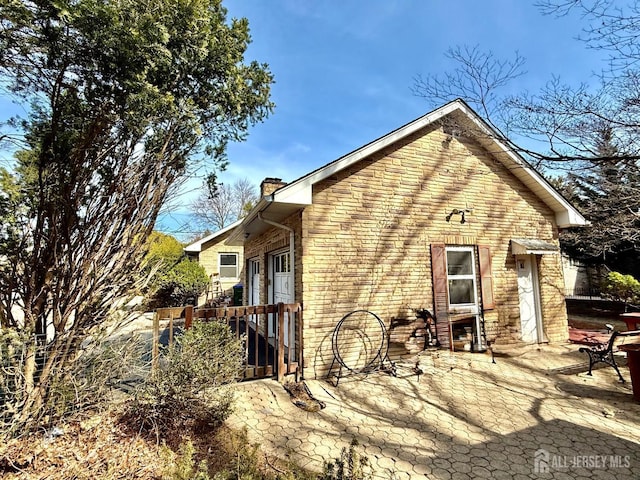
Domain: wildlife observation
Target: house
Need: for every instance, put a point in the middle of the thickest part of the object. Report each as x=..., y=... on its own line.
x=223, y=263
x=438, y=215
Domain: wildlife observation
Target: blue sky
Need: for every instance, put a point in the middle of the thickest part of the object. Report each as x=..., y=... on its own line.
x=344, y=71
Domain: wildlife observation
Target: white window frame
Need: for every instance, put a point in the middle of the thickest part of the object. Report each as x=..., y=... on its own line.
x=282, y=262
x=220, y=266
x=471, y=308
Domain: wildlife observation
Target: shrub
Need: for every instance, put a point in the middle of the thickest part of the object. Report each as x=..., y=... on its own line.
x=163, y=252
x=181, y=285
x=621, y=287
x=189, y=386
x=350, y=466
x=86, y=384
x=182, y=464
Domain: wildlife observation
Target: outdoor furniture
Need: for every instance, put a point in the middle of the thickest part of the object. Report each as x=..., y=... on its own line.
x=632, y=319
x=604, y=353
x=633, y=361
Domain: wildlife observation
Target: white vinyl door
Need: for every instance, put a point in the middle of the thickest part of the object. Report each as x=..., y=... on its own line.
x=528, y=295
x=282, y=291
x=282, y=286
x=254, y=280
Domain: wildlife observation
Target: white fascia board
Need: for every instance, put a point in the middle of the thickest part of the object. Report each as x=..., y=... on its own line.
x=300, y=191
x=196, y=247
x=572, y=218
x=300, y=195
x=566, y=214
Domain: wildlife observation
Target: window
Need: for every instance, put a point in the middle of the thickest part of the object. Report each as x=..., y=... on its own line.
x=228, y=265
x=461, y=278
x=456, y=295
x=254, y=267
x=282, y=263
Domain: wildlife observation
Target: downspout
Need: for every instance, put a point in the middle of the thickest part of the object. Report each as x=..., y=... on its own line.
x=292, y=248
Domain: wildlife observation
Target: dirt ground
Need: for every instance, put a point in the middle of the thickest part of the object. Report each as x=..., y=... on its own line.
x=102, y=447
x=96, y=446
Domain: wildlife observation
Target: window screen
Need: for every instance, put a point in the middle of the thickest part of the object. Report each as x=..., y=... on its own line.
x=461, y=278
x=228, y=265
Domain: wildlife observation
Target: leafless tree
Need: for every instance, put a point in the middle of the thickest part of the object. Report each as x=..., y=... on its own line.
x=592, y=130
x=562, y=121
x=477, y=78
x=226, y=204
x=246, y=194
x=611, y=26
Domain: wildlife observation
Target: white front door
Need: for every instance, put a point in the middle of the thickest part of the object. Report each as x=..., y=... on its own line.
x=281, y=278
x=254, y=279
x=529, y=297
x=253, y=292
x=282, y=287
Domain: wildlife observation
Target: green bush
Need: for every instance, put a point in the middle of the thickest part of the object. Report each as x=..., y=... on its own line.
x=170, y=279
x=182, y=464
x=181, y=285
x=621, y=287
x=163, y=252
x=188, y=388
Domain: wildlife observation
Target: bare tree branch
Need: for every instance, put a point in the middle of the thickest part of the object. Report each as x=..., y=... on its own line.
x=225, y=205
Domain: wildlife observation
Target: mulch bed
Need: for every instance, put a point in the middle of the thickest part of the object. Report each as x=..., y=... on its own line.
x=588, y=337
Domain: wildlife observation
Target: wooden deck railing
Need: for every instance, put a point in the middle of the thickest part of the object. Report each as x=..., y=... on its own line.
x=263, y=326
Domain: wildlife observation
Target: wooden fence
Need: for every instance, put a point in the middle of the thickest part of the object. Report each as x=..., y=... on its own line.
x=263, y=328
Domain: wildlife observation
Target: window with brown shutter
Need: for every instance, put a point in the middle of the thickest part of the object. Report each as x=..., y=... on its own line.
x=440, y=294
x=455, y=289
x=486, y=277
x=461, y=279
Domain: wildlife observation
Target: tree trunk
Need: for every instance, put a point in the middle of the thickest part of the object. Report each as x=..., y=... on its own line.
x=33, y=388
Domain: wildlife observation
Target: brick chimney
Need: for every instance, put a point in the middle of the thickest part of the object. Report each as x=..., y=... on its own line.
x=270, y=185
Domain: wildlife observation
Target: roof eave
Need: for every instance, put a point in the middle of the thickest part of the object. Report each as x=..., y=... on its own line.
x=566, y=215
x=196, y=247
x=299, y=193
x=237, y=235
x=301, y=190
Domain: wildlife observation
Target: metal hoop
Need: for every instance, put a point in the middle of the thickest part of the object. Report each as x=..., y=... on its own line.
x=382, y=349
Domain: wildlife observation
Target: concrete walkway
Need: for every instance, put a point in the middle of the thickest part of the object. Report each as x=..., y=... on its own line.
x=533, y=414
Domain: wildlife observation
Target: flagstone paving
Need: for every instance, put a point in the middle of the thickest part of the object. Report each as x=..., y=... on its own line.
x=534, y=414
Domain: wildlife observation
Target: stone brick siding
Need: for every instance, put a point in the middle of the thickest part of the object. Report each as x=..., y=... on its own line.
x=208, y=258
x=271, y=241
x=366, y=239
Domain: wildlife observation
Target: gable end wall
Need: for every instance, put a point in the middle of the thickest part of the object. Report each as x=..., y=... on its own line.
x=366, y=238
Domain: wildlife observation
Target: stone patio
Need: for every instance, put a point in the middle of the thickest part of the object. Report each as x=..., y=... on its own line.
x=533, y=414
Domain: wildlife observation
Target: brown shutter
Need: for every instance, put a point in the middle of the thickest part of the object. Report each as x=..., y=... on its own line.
x=486, y=277
x=440, y=297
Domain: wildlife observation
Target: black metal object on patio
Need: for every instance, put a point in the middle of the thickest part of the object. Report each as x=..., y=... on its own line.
x=360, y=344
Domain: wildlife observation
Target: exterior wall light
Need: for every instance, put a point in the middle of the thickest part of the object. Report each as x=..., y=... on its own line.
x=461, y=212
